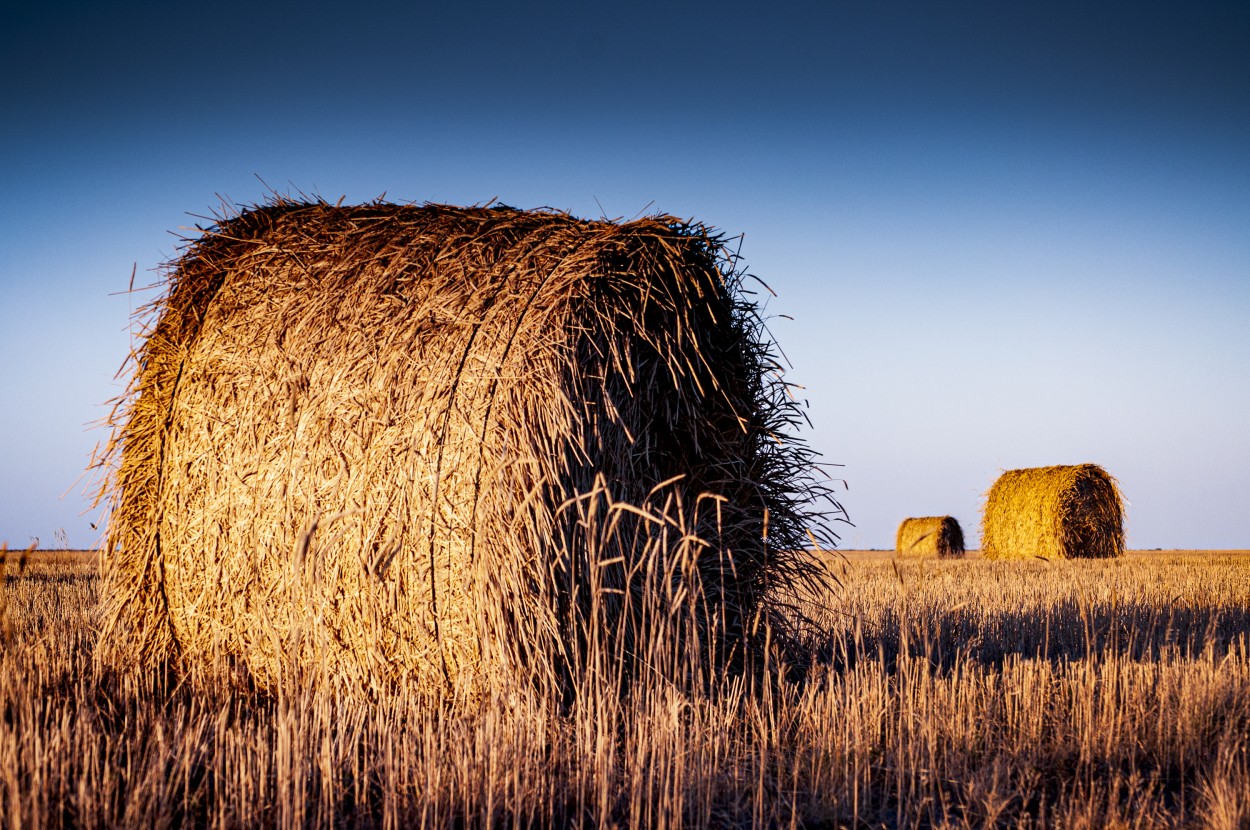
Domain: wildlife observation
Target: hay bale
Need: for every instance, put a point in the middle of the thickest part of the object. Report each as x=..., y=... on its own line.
x=427, y=444
x=929, y=536
x=1054, y=512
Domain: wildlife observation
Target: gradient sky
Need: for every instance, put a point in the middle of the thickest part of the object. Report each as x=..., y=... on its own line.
x=1009, y=234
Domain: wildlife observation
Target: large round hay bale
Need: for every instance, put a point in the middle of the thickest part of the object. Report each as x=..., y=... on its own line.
x=428, y=444
x=1053, y=512
x=929, y=536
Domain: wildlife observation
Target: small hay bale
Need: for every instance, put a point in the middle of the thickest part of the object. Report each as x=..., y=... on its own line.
x=929, y=536
x=1062, y=512
x=433, y=445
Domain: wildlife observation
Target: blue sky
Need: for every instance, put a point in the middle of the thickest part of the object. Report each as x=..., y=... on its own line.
x=1008, y=234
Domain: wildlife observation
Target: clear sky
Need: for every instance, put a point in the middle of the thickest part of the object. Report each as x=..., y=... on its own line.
x=1009, y=234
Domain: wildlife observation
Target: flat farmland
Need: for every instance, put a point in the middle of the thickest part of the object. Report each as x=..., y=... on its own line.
x=921, y=693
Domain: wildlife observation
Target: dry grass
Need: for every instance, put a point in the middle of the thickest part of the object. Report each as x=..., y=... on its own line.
x=961, y=693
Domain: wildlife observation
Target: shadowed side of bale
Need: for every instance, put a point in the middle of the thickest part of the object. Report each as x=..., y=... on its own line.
x=430, y=445
x=929, y=536
x=1072, y=511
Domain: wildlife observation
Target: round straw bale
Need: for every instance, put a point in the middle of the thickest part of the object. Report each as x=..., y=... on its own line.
x=426, y=444
x=1061, y=512
x=929, y=536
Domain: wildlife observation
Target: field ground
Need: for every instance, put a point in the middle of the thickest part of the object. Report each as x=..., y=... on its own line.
x=962, y=693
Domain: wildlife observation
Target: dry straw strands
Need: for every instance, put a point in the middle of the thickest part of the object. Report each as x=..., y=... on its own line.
x=1053, y=512
x=929, y=535
x=432, y=445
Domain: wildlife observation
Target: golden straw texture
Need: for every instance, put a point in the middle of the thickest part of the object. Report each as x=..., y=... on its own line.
x=1053, y=512
x=929, y=536
x=431, y=445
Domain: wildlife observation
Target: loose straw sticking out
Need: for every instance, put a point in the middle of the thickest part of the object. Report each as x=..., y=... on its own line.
x=434, y=445
x=930, y=535
x=1053, y=512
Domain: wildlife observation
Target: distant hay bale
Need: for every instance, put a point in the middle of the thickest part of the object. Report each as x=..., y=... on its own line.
x=929, y=535
x=427, y=444
x=1063, y=512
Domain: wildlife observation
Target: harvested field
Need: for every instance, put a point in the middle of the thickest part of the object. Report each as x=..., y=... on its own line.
x=969, y=692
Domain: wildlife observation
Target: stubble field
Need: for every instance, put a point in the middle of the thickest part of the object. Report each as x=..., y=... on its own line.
x=961, y=693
